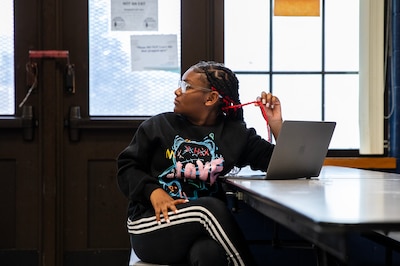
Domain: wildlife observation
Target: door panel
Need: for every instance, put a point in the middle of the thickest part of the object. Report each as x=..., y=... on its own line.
x=94, y=208
x=94, y=213
x=19, y=198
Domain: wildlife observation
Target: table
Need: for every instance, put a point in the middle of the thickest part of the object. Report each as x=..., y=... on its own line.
x=325, y=209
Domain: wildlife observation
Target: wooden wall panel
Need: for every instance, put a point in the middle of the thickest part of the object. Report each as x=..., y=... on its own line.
x=106, y=207
x=8, y=204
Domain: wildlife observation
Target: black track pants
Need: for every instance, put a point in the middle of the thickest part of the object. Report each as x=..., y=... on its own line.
x=202, y=231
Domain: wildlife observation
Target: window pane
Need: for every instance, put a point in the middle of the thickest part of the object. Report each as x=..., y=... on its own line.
x=247, y=35
x=114, y=88
x=7, y=91
x=300, y=96
x=341, y=105
x=297, y=44
x=250, y=87
x=342, y=42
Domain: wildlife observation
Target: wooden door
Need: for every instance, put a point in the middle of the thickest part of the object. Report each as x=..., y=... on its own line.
x=58, y=190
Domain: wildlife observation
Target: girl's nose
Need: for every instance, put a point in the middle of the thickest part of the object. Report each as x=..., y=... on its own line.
x=178, y=91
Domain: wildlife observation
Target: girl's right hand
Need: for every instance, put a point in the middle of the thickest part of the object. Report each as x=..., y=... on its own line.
x=162, y=202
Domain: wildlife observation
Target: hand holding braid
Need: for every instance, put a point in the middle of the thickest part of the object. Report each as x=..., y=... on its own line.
x=224, y=81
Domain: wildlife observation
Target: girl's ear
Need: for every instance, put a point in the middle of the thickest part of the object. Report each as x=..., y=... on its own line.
x=213, y=98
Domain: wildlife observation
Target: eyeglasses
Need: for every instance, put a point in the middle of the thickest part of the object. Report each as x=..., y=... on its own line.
x=186, y=86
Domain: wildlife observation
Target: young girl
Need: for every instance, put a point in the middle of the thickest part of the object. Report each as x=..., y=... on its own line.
x=170, y=170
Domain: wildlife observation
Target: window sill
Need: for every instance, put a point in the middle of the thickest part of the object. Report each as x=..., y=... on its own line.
x=364, y=163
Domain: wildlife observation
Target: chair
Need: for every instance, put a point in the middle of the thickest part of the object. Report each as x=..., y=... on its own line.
x=135, y=261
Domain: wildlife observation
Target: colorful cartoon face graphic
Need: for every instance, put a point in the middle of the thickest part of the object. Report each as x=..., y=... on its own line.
x=196, y=166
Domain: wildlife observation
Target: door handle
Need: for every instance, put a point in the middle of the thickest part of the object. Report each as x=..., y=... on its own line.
x=26, y=122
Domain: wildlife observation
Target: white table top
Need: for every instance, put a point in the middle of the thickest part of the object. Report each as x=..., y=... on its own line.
x=339, y=196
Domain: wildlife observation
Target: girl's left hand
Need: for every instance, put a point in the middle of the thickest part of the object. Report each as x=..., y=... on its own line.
x=272, y=108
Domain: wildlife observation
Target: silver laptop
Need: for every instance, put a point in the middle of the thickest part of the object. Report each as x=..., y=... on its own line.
x=300, y=151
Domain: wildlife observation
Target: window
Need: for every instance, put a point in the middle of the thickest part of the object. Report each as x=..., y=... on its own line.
x=7, y=91
x=311, y=63
x=116, y=90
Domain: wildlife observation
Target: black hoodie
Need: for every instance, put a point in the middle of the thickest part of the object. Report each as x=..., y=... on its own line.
x=186, y=160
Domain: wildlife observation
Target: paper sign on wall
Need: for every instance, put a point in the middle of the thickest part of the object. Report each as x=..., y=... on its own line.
x=296, y=8
x=154, y=52
x=140, y=15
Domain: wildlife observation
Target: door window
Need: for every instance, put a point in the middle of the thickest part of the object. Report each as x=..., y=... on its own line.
x=7, y=91
x=116, y=88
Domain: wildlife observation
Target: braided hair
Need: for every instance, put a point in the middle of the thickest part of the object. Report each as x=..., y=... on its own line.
x=225, y=82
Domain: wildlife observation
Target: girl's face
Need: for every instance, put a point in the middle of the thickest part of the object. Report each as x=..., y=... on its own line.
x=190, y=101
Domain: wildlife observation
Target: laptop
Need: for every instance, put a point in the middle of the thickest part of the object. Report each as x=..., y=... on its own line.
x=300, y=151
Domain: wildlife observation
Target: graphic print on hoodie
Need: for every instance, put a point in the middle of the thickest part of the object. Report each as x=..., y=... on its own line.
x=194, y=170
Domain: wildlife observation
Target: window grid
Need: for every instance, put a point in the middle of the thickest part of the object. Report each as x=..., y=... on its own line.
x=323, y=73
